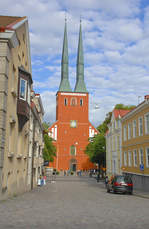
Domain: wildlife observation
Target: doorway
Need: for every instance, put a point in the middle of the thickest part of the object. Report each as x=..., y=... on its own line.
x=73, y=164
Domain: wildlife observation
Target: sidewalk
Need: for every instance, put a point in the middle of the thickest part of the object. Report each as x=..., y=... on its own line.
x=140, y=193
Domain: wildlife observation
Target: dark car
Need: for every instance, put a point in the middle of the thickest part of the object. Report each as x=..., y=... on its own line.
x=120, y=184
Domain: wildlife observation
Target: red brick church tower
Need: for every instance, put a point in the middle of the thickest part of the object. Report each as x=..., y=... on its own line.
x=72, y=128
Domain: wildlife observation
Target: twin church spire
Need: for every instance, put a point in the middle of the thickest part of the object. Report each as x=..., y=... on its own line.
x=80, y=84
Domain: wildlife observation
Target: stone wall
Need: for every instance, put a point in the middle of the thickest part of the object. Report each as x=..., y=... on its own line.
x=4, y=61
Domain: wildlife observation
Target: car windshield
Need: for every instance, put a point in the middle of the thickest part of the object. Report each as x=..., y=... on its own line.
x=128, y=180
x=120, y=179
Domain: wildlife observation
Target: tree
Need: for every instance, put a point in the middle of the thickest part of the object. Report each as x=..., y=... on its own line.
x=96, y=150
x=124, y=107
x=102, y=128
x=49, y=151
x=46, y=126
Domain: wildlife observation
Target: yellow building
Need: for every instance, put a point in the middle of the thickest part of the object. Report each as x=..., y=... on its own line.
x=135, y=145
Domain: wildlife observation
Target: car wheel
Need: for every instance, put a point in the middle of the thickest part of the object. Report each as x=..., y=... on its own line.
x=114, y=191
x=130, y=193
x=108, y=190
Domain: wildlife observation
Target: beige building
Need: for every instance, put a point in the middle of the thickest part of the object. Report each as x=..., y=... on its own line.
x=113, y=143
x=15, y=106
x=135, y=145
x=36, y=144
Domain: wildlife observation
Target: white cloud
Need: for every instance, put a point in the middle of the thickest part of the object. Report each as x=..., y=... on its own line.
x=115, y=40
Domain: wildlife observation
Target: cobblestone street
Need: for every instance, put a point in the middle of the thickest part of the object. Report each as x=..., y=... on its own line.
x=74, y=202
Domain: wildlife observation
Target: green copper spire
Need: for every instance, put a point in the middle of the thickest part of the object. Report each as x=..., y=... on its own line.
x=80, y=84
x=64, y=85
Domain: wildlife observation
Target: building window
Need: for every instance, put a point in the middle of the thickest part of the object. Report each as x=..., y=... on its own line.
x=129, y=158
x=125, y=129
x=73, y=102
x=134, y=129
x=72, y=150
x=23, y=89
x=116, y=143
x=135, y=158
x=114, y=125
x=129, y=131
x=81, y=102
x=141, y=156
x=147, y=157
x=140, y=126
x=73, y=123
x=147, y=123
x=65, y=102
x=119, y=123
x=125, y=158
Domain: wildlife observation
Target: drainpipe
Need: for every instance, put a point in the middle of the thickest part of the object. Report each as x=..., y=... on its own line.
x=33, y=150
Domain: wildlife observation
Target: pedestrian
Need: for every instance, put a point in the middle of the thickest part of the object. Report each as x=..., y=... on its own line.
x=98, y=176
x=64, y=173
x=106, y=181
x=80, y=173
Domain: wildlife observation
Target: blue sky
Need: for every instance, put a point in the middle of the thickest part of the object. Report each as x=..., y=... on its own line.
x=116, y=49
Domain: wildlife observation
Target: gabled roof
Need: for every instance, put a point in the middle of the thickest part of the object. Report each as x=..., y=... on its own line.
x=7, y=22
x=119, y=113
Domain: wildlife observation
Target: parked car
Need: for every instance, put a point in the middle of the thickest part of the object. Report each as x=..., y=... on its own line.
x=121, y=184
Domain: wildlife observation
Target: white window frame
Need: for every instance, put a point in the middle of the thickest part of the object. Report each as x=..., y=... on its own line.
x=134, y=128
x=147, y=157
x=129, y=158
x=125, y=158
x=25, y=94
x=75, y=150
x=146, y=123
x=135, y=161
x=140, y=156
x=116, y=143
x=140, y=129
x=129, y=130
x=125, y=133
x=29, y=94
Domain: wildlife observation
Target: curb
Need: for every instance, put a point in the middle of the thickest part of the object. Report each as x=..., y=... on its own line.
x=141, y=195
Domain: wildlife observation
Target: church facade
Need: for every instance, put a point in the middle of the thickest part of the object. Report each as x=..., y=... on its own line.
x=72, y=129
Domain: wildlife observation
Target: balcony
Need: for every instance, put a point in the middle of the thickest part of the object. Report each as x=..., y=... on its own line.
x=23, y=111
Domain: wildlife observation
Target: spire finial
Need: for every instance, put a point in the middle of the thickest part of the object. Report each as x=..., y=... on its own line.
x=80, y=18
x=65, y=16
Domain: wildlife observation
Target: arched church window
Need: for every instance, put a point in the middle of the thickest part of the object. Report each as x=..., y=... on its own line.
x=65, y=102
x=81, y=102
x=73, y=150
x=73, y=102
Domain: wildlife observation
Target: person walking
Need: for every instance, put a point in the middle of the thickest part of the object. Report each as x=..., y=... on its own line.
x=106, y=181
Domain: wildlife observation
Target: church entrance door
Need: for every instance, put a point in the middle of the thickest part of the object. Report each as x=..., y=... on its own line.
x=73, y=164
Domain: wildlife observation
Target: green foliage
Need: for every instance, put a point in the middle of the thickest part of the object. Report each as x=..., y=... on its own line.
x=46, y=126
x=124, y=107
x=102, y=128
x=49, y=149
x=96, y=149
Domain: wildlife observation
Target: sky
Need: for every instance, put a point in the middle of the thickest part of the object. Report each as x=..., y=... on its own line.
x=116, y=49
